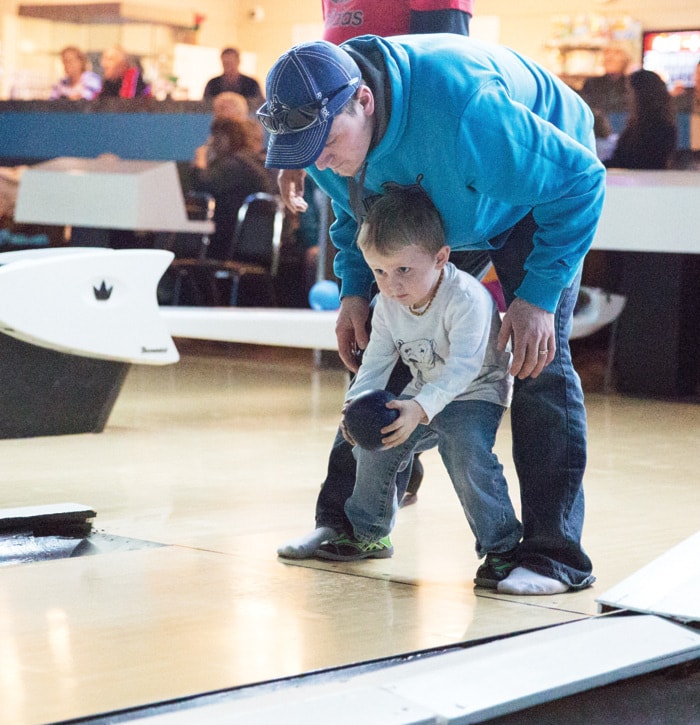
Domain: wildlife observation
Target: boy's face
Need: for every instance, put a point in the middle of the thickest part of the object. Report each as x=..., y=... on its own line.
x=408, y=275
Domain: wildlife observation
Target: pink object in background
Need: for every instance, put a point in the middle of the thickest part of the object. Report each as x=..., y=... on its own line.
x=494, y=287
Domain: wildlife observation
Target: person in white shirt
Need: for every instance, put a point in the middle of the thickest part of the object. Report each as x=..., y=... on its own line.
x=444, y=325
x=79, y=82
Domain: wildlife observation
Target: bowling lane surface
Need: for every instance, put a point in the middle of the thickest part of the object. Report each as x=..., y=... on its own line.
x=219, y=458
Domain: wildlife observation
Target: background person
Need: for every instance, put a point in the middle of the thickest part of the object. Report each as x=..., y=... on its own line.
x=351, y=18
x=512, y=169
x=648, y=141
x=608, y=92
x=649, y=138
x=234, y=173
x=79, y=83
x=233, y=80
x=235, y=107
x=122, y=78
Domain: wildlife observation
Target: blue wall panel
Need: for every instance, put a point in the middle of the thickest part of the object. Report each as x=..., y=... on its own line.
x=147, y=136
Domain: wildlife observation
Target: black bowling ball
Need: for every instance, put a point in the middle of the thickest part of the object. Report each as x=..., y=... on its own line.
x=366, y=415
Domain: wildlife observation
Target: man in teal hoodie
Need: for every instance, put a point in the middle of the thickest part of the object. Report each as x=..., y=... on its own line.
x=506, y=151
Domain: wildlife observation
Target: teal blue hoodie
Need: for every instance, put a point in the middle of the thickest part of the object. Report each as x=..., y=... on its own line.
x=495, y=136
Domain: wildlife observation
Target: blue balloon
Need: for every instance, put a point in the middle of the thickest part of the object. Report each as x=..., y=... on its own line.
x=324, y=295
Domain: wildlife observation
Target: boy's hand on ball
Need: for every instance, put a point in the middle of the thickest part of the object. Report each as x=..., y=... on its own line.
x=411, y=415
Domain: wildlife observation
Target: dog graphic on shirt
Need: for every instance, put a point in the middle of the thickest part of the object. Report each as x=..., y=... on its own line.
x=420, y=357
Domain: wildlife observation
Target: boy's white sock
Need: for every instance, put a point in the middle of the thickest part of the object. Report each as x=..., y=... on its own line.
x=524, y=581
x=304, y=546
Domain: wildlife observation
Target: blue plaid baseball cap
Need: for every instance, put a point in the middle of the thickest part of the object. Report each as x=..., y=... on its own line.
x=305, y=89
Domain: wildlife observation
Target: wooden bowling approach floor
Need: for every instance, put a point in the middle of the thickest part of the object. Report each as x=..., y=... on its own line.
x=218, y=460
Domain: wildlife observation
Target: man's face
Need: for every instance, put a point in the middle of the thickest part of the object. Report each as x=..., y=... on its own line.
x=113, y=64
x=348, y=141
x=615, y=61
x=230, y=63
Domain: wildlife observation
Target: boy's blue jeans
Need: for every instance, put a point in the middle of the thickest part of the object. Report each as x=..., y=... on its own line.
x=464, y=432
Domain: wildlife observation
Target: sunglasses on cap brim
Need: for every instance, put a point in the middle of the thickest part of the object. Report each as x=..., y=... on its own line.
x=278, y=118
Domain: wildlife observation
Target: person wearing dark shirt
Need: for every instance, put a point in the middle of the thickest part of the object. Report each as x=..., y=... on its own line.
x=121, y=79
x=649, y=138
x=608, y=93
x=233, y=80
x=234, y=173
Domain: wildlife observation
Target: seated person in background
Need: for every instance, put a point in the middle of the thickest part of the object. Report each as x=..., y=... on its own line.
x=649, y=138
x=121, y=77
x=608, y=93
x=233, y=80
x=234, y=106
x=234, y=173
x=230, y=105
x=79, y=83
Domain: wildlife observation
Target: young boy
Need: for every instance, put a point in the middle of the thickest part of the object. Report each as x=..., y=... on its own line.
x=444, y=325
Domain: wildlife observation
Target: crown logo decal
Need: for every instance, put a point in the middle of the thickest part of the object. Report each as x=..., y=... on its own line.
x=102, y=292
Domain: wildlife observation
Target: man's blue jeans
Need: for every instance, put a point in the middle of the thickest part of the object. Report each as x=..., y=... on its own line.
x=464, y=432
x=548, y=422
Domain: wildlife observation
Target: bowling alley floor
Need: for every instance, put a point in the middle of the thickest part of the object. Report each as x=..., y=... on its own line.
x=212, y=463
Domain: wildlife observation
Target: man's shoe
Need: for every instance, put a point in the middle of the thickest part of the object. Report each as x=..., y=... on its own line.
x=408, y=499
x=495, y=569
x=345, y=548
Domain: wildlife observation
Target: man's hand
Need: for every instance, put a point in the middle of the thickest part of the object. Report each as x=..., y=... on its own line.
x=532, y=331
x=343, y=429
x=410, y=416
x=201, y=156
x=291, y=185
x=351, y=330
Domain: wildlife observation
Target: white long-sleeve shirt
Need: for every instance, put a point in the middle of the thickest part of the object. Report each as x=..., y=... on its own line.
x=450, y=350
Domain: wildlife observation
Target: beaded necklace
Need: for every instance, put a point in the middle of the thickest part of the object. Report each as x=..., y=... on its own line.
x=432, y=297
